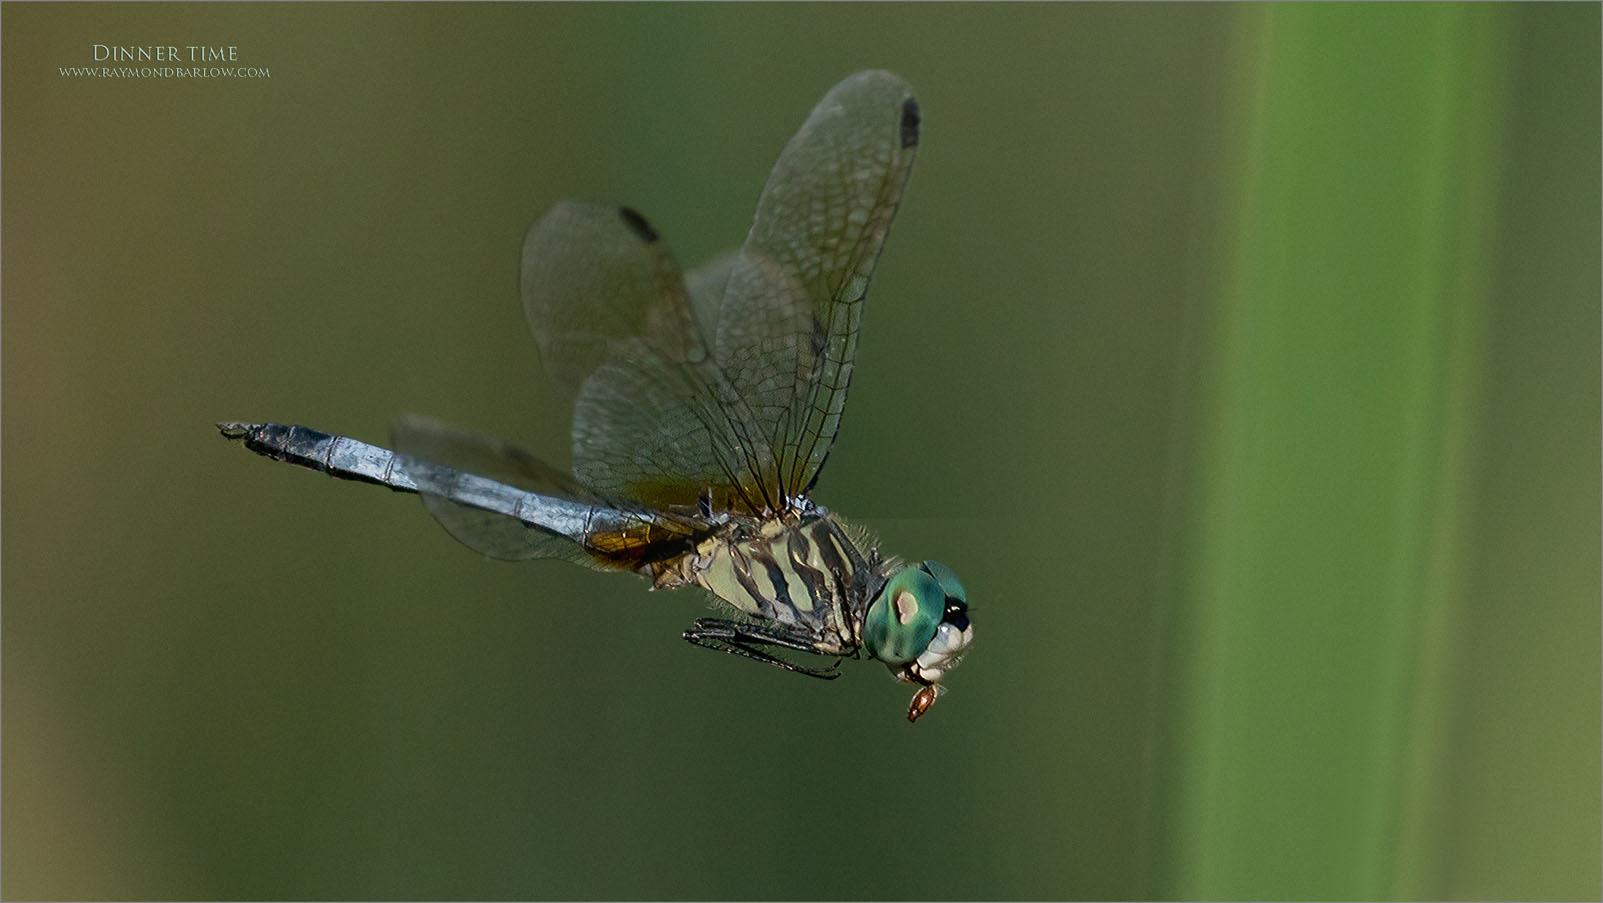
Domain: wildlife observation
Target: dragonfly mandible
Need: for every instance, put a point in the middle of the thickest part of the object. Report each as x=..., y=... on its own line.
x=704, y=407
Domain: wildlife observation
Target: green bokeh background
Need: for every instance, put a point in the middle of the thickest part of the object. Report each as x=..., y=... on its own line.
x=1243, y=360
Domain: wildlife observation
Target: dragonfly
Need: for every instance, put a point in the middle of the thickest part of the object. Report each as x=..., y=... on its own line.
x=704, y=408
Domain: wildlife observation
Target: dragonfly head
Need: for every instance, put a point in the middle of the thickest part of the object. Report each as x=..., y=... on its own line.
x=918, y=625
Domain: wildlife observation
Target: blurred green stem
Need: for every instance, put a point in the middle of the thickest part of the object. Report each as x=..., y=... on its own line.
x=1324, y=551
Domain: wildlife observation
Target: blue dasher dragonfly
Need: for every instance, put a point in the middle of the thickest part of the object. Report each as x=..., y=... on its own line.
x=704, y=407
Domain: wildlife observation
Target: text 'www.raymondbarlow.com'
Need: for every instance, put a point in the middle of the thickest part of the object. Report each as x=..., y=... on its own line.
x=165, y=72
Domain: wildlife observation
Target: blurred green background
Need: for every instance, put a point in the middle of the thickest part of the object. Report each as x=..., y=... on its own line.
x=1243, y=361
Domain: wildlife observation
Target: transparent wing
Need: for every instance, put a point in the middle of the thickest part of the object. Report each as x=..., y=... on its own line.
x=747, y=423
x=706, y=285
x=793, y=298
x=654, y=419
x=508, y=504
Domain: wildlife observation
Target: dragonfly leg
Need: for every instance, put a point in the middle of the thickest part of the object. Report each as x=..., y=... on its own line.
x=736, y=638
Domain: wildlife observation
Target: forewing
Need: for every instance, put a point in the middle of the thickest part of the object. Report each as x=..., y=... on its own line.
x=654, y=420
x=792, y=305
x=566, y=521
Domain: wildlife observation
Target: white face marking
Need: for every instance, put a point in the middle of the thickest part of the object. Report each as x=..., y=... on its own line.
x=906, y=606
x=944, y=650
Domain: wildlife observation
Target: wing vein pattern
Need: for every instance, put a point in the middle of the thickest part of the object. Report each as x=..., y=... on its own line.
x=694, y=395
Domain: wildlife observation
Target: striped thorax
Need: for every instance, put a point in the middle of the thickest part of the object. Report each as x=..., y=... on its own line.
x=801, y=572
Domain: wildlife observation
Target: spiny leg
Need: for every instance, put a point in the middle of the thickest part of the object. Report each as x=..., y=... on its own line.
x=734, y=638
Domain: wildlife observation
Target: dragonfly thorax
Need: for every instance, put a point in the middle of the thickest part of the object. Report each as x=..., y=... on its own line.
x=804, y=574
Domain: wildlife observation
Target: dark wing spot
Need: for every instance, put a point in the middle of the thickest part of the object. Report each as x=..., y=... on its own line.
x=636, y=222
x=909, y=122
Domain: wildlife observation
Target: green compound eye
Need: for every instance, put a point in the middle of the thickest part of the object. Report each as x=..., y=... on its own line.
x=948, y=580
x=902, y=621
